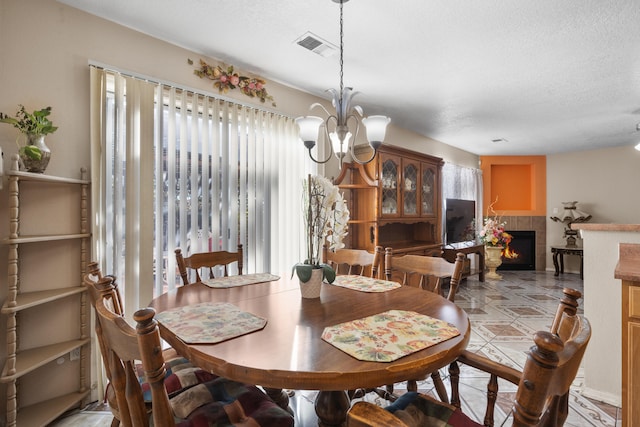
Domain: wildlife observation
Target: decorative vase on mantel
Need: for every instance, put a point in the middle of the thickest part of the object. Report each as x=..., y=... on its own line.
x=312, y=287
x=29, y=160
x=493, y=260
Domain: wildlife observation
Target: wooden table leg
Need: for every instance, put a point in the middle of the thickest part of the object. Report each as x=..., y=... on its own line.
x=331, y=408
x=280, y=397
x=555, y=263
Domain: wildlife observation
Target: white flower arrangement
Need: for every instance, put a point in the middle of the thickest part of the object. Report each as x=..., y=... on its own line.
x=326, y=218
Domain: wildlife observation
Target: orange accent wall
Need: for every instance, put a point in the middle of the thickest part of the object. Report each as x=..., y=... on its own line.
x=519, y=183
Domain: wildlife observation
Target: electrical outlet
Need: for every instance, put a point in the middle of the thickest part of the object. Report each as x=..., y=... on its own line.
x=74, y=354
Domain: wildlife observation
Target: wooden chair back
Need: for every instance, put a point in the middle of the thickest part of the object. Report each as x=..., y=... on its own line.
x=354, y=261
x=124, y=346
x=104, y=288
x=543, y=385
x=424, y=271
x=203, y=261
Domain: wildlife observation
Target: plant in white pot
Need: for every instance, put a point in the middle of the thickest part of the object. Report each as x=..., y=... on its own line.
x=33, y=126
x=326, y=218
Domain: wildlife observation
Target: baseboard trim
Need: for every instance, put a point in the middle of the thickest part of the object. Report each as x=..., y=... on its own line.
x=600, y=396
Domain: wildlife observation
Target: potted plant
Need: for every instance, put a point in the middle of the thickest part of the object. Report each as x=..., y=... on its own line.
x=326, y=217
x=34, y=126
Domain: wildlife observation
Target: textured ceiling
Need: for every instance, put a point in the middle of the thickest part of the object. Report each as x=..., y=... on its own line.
x=545, y=76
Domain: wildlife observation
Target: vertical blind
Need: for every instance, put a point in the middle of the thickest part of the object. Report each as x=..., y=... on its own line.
x=176, y=169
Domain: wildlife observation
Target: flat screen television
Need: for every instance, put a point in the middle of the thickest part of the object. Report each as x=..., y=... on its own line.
x=459, y=219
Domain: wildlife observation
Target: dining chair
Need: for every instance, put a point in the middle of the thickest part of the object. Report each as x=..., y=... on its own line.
x=426, y=270
x=543, y=384
x=354, y=261
x=187, y=396
x=423, y=271
x=200, y=262
x=105, y=288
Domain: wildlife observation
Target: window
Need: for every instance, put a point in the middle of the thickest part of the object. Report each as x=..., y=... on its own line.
x=192, y=171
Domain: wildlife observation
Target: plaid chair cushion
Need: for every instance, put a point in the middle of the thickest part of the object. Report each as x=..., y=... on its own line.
x=201, y=399
x=417, y=410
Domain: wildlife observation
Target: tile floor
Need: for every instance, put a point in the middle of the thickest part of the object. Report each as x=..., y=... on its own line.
x=504, y=315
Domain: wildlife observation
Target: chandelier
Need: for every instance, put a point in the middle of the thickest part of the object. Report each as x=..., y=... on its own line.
x=336, y=126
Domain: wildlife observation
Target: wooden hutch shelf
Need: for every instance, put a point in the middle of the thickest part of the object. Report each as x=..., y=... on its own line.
x=395, y=201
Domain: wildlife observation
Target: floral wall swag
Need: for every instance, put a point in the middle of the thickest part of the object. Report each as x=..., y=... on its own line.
x=228, y=79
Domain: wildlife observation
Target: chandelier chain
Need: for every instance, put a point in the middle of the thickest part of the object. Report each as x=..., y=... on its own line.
x=335, y=126
x=341, y=53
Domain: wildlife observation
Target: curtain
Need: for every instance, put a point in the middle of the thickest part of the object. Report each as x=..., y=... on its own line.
x=122, y=182
x=224, y=182
x=125, y=141
x=460, y=182
x=176, y=169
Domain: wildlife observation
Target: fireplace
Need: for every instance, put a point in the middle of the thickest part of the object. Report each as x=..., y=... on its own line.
x=521, y=253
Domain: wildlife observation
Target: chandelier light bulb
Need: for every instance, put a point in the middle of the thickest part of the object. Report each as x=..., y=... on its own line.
x=309, y=128
x=376, y=128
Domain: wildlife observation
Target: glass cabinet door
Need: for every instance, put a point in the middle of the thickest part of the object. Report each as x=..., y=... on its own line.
x=428, y=190
x=410, y=189
x=389, y=186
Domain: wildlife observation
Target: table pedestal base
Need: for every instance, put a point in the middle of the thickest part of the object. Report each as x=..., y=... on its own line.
x=332, y=407
x=279, y=396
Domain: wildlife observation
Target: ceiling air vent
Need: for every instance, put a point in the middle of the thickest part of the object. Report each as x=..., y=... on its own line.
x=317, y=45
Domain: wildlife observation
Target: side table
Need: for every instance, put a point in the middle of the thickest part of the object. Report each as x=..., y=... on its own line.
x=450, y=251
x=559, y=252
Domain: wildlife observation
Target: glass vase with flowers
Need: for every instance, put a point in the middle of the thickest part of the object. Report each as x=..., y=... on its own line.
x=493, y=231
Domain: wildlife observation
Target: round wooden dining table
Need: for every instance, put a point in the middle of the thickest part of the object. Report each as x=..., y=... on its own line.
x=289, y=352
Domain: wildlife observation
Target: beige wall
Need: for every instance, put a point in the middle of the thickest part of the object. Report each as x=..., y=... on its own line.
x=46, y=47
x=605, y=184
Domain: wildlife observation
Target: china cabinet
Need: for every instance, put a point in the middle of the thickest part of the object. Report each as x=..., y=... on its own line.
x=395, y=201
x=46, y=365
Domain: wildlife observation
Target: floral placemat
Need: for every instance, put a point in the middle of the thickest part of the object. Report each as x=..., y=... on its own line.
x=388, y=336
x=365, y=284
x=210, y=323
x=240, y=280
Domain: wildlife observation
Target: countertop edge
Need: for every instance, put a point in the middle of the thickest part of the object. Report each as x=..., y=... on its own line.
x=605, y=227
x=628, y=267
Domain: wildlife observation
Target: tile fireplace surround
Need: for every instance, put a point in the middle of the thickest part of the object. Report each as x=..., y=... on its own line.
x=537, y=224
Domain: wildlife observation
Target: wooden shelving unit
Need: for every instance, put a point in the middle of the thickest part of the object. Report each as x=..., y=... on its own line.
x=41, y=346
